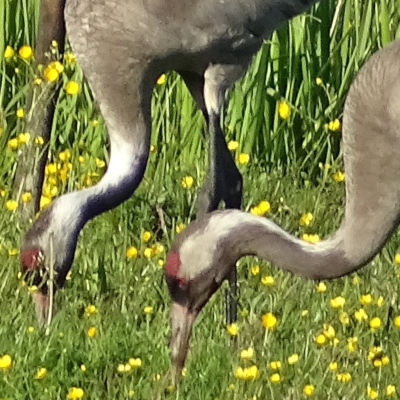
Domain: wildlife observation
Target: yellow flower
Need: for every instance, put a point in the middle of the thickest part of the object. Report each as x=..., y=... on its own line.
x=397, y=258
x=390, y=390
x=318, y=81
x=338, y=302
x=339, y=176
x=162, y=79
x=5, y=362
x=247, y=354
x=269, y=321
x=255, y=211
x=50, y=169
x=69, y=57
x=148, y=310
x=9, y=53
x=243, y=158
x=83, y=367
x=372, y=393
x=284, y=109
x=13, y=144
x=51, y=74
x=132, y=252
x=146, y=236
x=148, y=252
x=135, y=362
x=72, y=88
x=380, y=300
x=92, y=332
x=397, y=321
x=305, y=219
x=333, y=366
x=329, y=331
x=308, y=390
x=264, y=206
x=320, y=339
x=267, y=280
x=30, y=329
x=275, y=378
x=344, y=377
x=321, y=287
x=233, y=145
x=100, y=163
x=75, y=393
x=25, y=52
x=232, y=329
x=344, y=318
x=13, y=251
x=375, y=323
x=255, y=270
x=334, y=125
x=275, y=365
x=44, y=201
x=41, y=373
x=64, y=155
x=39, y=140
x=248, y=373
x=20, y=113
x=360, y=315
x=311, y=238
x=293, y=359
x=352, y=343
x=24, y=138
x=90, y=310
x=26, y=197
x=187, y=182
x=11, y=205
x=180, y=227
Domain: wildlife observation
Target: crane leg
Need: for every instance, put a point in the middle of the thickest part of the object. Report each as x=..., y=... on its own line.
x=224, y=181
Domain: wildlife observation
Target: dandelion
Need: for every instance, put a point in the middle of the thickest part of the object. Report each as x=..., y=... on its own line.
x=44, y=202
x=233, y=145
x=380, y=300
x=267, y=280
x=343, y=377
x=20, y=113
x=75, y=393
x=275, y=365
x=366, y=299
x=30, y=329
x=318, y=81
x=25, y=52
x=180, y=227
x=39, y=141
x=11, y=205
x=69, y=57
x=146, y=236
x=321, y=287
x=13, y=144
x=64, y=155
x=397, y=258
x=275, y=378
x=51, y=73
x=72, y=88
x=329, y=331
x=187, y=182
x=232, y=329
x=397, y=321
x=132, y=252
x=92, y=332
x=13, y=251
x=247, y=354
x=148, y=252
x=264, y=206
x=90, y=310
x=41, y=373
x=344, y=318
x=284, y=109
x=255, y=211
x=375, y=323
x=162, y=79
x=320, y=339
x=352, y=343
x=311, y=238
x=243, y=158
x=269, y=321
x=148, y=310
x=305, y=219
x=135, y=362
x=255, y=270
x=361, y=315
x=9, y=53
x=339, y=176
x=293, y=359
x=5, y=362
x=338, y=302
x=308, y=390
x=334, y=125
x=247, y=374
x=100, y=163
x=24, y=138
x=390, y=390
x=333, y=366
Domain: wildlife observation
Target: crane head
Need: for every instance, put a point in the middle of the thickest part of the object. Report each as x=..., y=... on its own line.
x=47, y=253
x=195, y=268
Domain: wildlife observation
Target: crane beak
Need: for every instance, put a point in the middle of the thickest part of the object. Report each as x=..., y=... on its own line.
x=182, y=320
x=44, y=310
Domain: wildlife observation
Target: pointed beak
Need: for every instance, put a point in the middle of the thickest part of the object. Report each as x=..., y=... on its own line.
x=44, y=309
x=182, y=320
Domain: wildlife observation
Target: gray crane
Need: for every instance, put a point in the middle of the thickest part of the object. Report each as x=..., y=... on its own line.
x=123, y=46
x=203, y=255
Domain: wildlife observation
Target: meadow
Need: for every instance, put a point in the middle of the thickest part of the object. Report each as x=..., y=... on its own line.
x=294, y=339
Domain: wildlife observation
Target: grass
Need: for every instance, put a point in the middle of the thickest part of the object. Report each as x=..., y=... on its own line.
x=288, y=167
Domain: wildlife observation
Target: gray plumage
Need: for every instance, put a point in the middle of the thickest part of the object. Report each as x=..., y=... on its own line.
x=209, y=248
x=123, y=46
